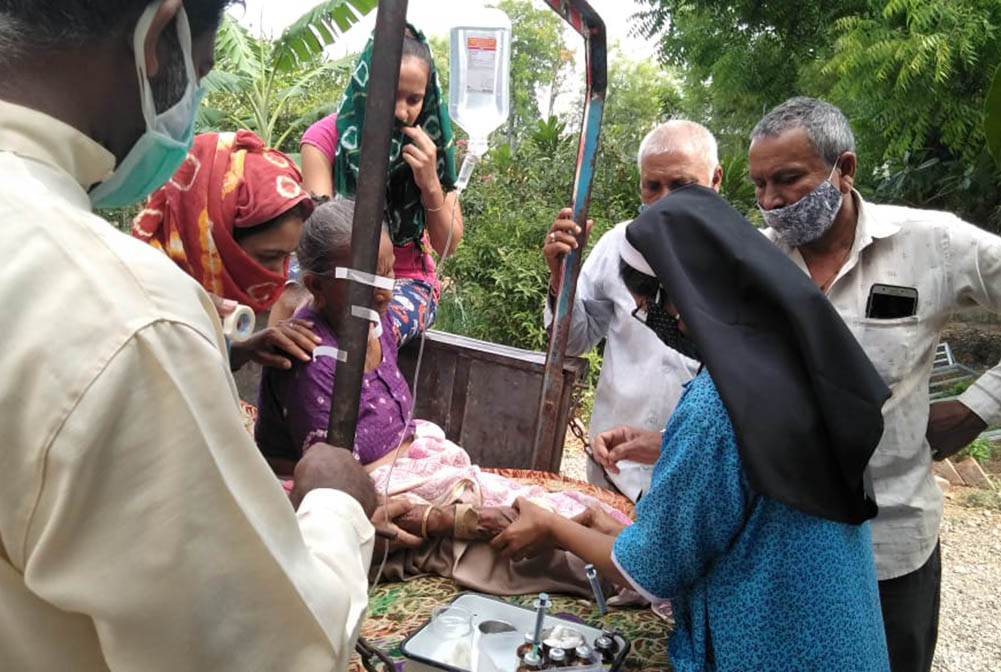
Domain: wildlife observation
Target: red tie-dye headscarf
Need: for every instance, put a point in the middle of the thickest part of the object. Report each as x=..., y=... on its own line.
x=227, y=181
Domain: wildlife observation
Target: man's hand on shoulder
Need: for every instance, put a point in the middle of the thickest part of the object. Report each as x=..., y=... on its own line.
x=324, y=466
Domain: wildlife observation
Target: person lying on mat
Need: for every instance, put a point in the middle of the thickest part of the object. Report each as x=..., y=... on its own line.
x=756, y=524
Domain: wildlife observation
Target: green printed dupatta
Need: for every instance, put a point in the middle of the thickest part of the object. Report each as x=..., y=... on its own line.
x=404, y=211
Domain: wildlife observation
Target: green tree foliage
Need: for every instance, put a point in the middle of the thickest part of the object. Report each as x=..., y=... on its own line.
x=740, y=58
x=992, y=117
x=640, y=95
x=914, y=78
x=920, y=66
x=912, y=75
x=497, y=279
x=276, y=88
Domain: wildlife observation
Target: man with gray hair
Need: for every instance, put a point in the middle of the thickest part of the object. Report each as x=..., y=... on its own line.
x=896, y=275
x=641, y=379
x=140, y=529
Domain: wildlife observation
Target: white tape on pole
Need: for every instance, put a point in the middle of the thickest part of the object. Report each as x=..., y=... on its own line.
x=328, y=351
x=370, y=315
x=378, y=281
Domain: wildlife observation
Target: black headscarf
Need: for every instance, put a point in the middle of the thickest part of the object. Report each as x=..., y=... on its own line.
x=804, y=400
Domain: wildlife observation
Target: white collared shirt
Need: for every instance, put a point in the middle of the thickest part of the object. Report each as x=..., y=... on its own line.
x=953, y=265
x=641, y=379
x=140, y=528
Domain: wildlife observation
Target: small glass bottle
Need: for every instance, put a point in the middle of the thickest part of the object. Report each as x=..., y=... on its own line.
x=583, y=656
x=571, y=655
x=605, y=647
x=527, y=646
x=531, y=662
x=557, y=659
x=615, y=643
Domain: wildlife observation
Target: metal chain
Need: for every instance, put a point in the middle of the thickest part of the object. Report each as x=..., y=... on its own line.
x=577, y=428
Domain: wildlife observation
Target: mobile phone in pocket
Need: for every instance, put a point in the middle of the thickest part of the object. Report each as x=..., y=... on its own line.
x=888, y=302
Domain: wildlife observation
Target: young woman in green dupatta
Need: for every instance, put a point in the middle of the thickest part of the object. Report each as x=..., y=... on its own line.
x=421, y=202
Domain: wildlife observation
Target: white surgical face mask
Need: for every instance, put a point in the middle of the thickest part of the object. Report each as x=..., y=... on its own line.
x=159, y=151
x=810, y=217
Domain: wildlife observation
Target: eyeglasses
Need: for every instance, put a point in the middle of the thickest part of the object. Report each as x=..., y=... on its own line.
x=640, y=312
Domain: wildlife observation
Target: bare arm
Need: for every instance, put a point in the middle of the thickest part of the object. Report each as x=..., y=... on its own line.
x=317, y=172
x=537, y=529
x=440, y=221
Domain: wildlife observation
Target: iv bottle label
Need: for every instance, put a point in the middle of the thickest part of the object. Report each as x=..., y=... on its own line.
x=481, y=62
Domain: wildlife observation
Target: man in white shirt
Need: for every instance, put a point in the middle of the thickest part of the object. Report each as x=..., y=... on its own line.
x=140, y=529
x=896, y=275
x=641, y=379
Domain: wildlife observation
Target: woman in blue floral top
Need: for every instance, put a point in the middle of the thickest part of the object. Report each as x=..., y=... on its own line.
x=755, y=523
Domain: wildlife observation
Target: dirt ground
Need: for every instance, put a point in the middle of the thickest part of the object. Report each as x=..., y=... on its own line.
x=970, y=616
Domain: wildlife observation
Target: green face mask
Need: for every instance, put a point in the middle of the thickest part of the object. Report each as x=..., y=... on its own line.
x=159, y=152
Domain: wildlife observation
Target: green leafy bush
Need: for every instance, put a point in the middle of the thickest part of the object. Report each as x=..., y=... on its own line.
x=982, y=450
x=957, y=389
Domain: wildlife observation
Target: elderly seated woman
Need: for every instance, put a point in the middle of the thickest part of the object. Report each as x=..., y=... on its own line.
x=445, y=495
x=230, y=217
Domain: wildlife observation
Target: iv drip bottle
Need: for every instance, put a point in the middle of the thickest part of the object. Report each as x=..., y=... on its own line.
x=479, y=90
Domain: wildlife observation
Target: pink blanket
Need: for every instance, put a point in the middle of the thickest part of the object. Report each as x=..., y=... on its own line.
x=437, y=471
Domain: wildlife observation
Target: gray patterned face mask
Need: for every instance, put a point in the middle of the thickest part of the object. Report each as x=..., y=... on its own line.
x=810, y=217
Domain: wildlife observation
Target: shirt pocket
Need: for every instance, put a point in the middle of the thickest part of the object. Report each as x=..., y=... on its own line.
x=890, y=345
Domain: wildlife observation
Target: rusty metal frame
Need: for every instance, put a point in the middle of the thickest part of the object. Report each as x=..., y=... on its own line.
x=387, y=49
x=370, y=202
x=549, y=436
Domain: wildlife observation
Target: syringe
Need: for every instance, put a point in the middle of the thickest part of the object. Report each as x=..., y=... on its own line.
x=541, y=605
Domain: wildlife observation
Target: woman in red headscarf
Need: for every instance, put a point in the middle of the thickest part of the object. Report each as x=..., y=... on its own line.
x=230, y=217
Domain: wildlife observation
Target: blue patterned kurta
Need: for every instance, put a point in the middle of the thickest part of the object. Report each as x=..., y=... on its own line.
x=755, y=584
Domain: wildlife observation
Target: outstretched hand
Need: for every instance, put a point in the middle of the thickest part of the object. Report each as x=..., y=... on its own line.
x=384, y=518
x=274, y=345
x=527, y=536
x=625, y=443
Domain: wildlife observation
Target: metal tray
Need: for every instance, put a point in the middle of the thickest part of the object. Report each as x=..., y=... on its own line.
x=424, y=648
